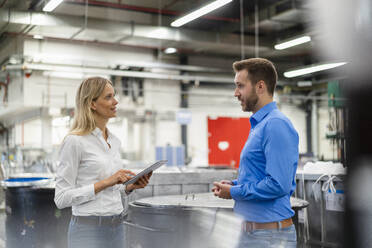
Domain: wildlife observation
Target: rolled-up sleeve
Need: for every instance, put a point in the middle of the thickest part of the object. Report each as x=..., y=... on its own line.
x=280, y=146
x=67, y=193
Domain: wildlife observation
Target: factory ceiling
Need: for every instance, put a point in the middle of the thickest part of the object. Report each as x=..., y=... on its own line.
x=146, y=23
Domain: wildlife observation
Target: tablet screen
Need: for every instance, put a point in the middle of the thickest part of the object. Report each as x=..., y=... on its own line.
x=146, y=171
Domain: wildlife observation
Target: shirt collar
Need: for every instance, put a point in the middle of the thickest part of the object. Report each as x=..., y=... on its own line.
x=261, y=113
x=97, y=132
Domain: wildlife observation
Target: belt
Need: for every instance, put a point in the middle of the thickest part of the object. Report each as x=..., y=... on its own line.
x=98, y=220
x=249, y=226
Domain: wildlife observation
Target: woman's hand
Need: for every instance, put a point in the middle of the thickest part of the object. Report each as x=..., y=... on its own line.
x=141, y=183
x=121, y=176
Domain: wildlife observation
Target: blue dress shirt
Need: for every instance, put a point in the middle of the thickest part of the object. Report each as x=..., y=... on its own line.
x=267, y=170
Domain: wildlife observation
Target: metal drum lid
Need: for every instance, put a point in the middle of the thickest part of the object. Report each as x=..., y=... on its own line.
x=25, y=181
x=203, y=200
x=200, y=200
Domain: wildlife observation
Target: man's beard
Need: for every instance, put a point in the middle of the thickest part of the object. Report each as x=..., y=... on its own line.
x=251, y=102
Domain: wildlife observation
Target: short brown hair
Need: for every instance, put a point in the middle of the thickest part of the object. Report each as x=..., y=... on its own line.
x=259, y=69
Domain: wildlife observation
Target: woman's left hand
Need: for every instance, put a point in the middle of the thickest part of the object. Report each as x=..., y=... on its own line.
x=141, y=183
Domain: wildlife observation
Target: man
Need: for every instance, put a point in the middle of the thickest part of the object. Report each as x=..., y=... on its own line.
x=268, y=161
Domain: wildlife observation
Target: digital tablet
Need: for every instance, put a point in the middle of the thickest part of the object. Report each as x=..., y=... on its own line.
x=146, y=171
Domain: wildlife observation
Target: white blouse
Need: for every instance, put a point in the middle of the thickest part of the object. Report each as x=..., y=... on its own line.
x=85, y=160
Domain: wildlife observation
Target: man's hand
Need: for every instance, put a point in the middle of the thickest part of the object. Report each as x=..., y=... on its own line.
x=141, y=183
x=226, y=182
x=222, y=190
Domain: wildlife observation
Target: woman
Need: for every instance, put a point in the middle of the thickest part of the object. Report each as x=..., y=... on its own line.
x=90, y=176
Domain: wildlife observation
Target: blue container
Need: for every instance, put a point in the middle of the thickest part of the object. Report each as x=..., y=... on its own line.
x=174, y=154
x=159, y=153
x=169, y=155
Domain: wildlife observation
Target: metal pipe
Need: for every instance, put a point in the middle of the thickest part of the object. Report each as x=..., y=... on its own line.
x=135, y=74
x=308, y=130
x=184, y=104
x=256, y=30
x=314, y=127
x=242, y=30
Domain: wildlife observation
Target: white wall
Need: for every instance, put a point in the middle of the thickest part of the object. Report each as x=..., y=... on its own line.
x=298, y=118
x=50, y=91
x=28, y=134
x=162, y=94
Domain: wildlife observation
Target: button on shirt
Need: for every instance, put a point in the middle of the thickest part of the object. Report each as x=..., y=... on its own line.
x=267, y=170
x=85, y=160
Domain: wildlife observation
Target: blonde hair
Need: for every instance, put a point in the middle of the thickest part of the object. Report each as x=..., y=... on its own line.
x=89, y=90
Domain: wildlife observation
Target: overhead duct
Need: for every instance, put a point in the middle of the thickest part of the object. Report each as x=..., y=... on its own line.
x=70, y=27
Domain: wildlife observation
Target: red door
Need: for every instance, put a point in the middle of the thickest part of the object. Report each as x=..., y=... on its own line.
x=226, y=139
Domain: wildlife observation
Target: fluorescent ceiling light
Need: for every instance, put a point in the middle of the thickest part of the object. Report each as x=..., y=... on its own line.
x=200, y=12
x=170, y=50
x=51, y=5
x=293, y=42
x=312, y=69
x=38, y=37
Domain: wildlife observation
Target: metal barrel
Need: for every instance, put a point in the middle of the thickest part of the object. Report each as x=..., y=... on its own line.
x=32, y=219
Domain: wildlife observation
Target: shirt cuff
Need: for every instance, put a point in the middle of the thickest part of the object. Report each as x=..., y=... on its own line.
x=86, y=193
x=235, y=192
x=90, y=191
x=234, y=182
